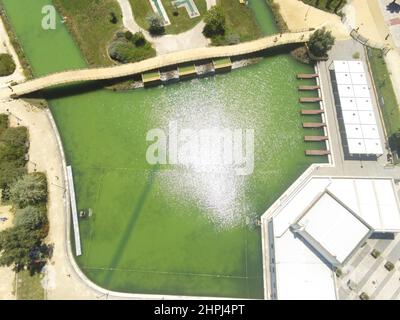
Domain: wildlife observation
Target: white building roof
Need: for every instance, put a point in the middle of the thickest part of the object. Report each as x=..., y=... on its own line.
x=351, y=117
x=356, y=105
x=355, y=66
x=354, y=131
x=337, y=212
x=369, y=131
x=364, y=104
x=358, y=78
x=361, y=91
x=356, y=146
x=341, y=66
x=343, y=78
x=346, y=90
x=348, y=103
x=334, y=227
x=299, y=273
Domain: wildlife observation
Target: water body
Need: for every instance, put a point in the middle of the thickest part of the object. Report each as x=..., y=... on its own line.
x=170, y=229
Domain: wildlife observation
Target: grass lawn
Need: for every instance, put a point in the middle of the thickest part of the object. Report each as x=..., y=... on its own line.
x=89, y=21
x=29, y=287
x=180, y=23
x=333, y=6
x=390, y=108
x=240, y=20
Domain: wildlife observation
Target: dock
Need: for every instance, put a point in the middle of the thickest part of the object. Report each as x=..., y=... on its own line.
x=310, y=99
x=313, y=124
x=308, y=88
x=315, y=138
x=307, y=76
x=311, y=112
x=317, y=152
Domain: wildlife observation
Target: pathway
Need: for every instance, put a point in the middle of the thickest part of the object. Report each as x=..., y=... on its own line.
x=157, y=62
x=300, y=16
x=190, y=39
x=367, y=16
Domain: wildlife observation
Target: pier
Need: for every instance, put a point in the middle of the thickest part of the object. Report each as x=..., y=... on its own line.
x=317, y=152
x=310, y=99
x=307, y=76
x=315, y=138
x=313, y=125
x=308, y=88
x=311, y=112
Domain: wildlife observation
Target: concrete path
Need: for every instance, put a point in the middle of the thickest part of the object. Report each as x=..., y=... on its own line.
x=190, y=39
x=157, y=62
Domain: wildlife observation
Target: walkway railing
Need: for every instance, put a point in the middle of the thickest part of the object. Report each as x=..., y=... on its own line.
x=158, y=62
x=367, y=42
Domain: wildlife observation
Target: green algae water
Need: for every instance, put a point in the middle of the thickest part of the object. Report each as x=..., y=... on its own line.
x=170, y=229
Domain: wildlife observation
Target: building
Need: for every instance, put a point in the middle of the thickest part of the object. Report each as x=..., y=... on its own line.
x=317, y=227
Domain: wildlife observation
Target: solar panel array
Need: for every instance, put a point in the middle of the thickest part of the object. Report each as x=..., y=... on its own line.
x=358, y=115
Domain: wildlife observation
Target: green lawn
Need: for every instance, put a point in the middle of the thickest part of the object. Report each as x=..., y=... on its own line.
x=240, y=20
x=390, y=106
x=89, y=21
x=29, y=287
x=180, y=23
x=333, y=6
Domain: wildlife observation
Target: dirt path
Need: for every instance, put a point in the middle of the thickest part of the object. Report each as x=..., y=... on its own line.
x=300, y=16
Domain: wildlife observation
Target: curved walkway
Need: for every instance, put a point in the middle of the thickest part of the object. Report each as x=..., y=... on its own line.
x=190, y=39
x=157, y=62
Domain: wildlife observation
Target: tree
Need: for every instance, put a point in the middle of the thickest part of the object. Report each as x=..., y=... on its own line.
x=30, y=189
x=156, y=24
x=215, y=22
x=7, y=65
x=138, y=39
x=321, y=41
x=31, y=217
x=113, y=17
x=21, y=247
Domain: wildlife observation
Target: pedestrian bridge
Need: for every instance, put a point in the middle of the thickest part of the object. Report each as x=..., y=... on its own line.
x=171, y=59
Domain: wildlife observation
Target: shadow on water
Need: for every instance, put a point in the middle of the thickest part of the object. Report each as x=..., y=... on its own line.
x=75, y=89
x=120, y=248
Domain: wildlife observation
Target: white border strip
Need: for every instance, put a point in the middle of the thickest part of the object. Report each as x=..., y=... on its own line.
x=75, y=221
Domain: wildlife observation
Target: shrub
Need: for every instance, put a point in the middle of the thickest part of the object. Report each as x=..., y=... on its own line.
x=13, y=145
x=21, y=247
x=321, y=41
x=128, y=35
x=215, y=22
x=364, y=296
x=138, y=39
x=31, y=217
x=356, y=55
x=30, y=189
x=375, y=253
x=126, y=51
x=389, y=266
x=3, y=123
x=7, y=65
x=113, y=17
x=156, y=24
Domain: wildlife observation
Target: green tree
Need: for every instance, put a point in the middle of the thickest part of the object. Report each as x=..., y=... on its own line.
x=215, y=22
x=31, y=217
x=321, y=41
x=156, y=24
x=113, y=17
x=21, y=247
x=7, y=65
x=30, y=189
x=138, y=39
